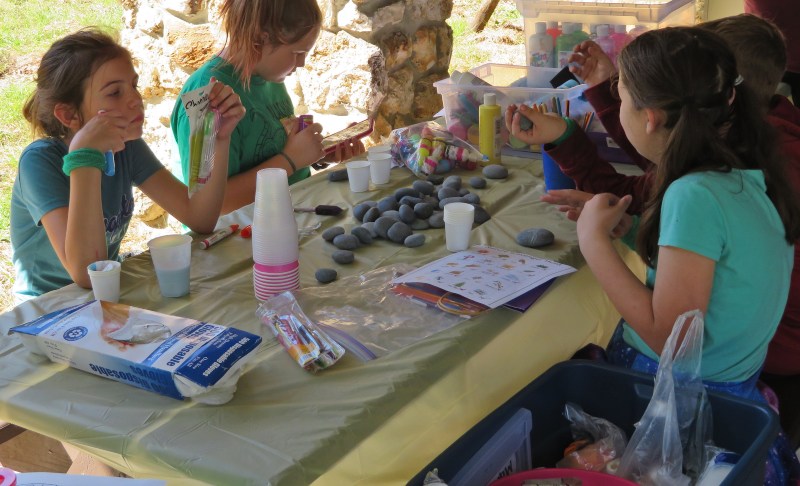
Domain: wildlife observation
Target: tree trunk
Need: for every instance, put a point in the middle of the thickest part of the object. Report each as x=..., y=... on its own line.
x=483, y=15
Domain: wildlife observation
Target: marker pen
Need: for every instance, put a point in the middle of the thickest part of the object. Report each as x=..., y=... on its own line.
x=217, y=236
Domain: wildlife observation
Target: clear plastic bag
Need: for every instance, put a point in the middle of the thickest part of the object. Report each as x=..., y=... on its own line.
x=366, y=317
x=598, y=443
x=427, y=148
x=668, y=446
x=203, y=126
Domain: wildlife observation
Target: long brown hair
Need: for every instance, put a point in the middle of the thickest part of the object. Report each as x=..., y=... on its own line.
x=691, y=75
x=62, y=75
x=245, y=22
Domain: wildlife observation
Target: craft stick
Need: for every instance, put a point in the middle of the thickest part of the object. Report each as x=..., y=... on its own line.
x=567, y=108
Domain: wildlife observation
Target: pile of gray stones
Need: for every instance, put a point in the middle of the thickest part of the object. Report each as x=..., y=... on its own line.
x=396, y=218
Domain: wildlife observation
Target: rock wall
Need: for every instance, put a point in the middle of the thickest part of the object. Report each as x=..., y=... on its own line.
x=373, y=55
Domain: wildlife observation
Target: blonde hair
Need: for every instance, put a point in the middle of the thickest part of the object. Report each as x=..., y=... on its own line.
x=246, y=21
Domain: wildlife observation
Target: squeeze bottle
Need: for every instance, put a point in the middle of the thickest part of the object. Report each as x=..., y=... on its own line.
x=565, y=43
x=553, y=30
x=489, y=128
x=540, y=46
x=620, y=38
x=605, y=42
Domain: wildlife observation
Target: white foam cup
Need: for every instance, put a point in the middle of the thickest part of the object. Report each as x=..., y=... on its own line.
x=172, y=256
x=380, y=167
x=358, y=175
x=104, y=276
x=458, y=219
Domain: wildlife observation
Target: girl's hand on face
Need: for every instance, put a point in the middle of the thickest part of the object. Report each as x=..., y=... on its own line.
x=546, y=127
x=590, y=63
x=105, y=131
x=305, y=146
x=602, y=216
x=226, y=102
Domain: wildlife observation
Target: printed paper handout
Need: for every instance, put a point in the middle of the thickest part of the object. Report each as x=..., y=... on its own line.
x=486, y=275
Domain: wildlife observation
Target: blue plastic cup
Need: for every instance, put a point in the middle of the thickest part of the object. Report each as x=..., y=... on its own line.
x=553, y=177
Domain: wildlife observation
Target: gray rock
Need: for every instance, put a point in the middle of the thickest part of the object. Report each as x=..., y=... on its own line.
x=405, y=191
x=445, y=202
x=388, y=203
x=370, y=226
x=325, y=275
x=437, y=220
x=359, y=210
x=495, y=171
x=431, y=200
x=407, y=214
x=423, y=187
x=337, y=175
x=399, y=232
x=392, y=213
x=477, y=182
x=463, y=191
x=435, y=179
x=481, y=215
x=343, y=257
x=453, y=181
x=362, y=234
x=413, y=241
x=420, y=224
x=535, y=237
x=446, y=192
x=472, y=198
x=371, y=203
x=410, y=200
x=371, y=215
x=331, y=233
x=424, y=210
x=346, y=242
x=382, y=226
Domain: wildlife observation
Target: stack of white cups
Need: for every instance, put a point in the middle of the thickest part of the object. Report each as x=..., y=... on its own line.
x=458, y=219
x=380, y=163
x=275, y=243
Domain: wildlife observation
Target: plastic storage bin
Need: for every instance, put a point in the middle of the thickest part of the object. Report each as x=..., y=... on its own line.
x=511, y=84
x=621, y=396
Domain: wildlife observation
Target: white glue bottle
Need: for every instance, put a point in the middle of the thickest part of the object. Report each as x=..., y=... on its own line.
x=540, y=47
x=489, y=128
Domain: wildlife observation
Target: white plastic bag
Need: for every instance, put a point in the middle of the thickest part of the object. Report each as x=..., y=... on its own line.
x=667, y=447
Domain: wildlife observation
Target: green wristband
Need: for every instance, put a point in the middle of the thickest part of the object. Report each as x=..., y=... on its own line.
x=84, y=157
x=571, y=126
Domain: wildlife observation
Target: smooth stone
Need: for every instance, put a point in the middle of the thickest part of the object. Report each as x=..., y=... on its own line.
x=535, y=237
x=477, y=182
x=346, y=242
x=371, y=203
x=407, y=214
x=495, y=171
x=325, y=275
x=414, y=241
x=337, y=175
x=387, y=203
x=446, y=192
x=420, y=224
x=362, y=234
x=463, y=191
x=331, y=233
x=424, y=210
x=399, y=232
x=382, y=226
x=392, y=213
x=370, y=226
x=410, y=200
x=371, y=215
x=481, y=215
x=359, y=210
x=472, y=198
x=423, y=187
x=453, y=181
x=445, y=202
x=405, y=191
x=431, y=200
x=343, y=257
x=435, y=179
x=437, y=220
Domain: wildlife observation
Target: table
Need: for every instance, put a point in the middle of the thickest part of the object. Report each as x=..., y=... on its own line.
x=356, y=423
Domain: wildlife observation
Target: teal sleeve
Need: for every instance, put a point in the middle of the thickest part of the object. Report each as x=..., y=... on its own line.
x=43, y=186
x=692, y=219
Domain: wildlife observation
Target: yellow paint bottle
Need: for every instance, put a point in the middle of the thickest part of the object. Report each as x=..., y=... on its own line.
x=489, y=123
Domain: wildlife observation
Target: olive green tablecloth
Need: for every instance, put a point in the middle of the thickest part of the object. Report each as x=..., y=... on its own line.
x=356, y=423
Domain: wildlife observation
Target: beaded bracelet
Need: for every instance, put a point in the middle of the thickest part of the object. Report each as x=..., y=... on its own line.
x=291, y=162
x=83, y=157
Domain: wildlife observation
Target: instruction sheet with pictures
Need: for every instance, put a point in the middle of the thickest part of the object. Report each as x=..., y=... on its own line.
x=487, y=275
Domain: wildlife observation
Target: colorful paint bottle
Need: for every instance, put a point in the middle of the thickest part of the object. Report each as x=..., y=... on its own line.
x=540, y=47
x=489, y=128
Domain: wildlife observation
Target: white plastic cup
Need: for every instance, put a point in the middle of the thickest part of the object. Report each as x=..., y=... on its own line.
x=458, y=219
x=104, y=276
x=379, y=149
x=172, y=256
x=380, y=167
x=275, y=243
x=358, y=175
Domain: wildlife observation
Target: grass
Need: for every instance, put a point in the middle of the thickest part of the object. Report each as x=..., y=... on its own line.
x=27, y=28
x=503, y=32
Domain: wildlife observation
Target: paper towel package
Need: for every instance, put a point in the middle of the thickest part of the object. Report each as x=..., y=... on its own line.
x=173, y=356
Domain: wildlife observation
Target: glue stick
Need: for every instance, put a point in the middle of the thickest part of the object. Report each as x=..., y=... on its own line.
x=489, y=127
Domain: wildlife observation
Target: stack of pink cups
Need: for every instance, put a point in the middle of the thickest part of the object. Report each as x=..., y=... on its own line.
x=275, y=243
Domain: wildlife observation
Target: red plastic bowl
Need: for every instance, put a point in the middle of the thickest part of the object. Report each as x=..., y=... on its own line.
x=588, y=478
